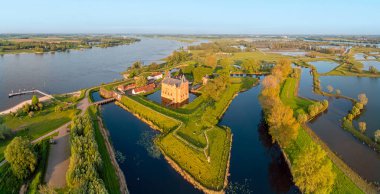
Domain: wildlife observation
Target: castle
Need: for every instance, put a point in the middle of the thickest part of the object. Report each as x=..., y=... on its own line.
x=175, y=90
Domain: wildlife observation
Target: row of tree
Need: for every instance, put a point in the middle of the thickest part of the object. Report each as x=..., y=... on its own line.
x=85, y=161
x=311, y=169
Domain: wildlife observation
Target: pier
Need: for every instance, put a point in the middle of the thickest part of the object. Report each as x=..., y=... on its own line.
x=12, y=94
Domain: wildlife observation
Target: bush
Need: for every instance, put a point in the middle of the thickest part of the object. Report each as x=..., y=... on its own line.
x=82, y=175
x=377, y=136
x=302, y=118
x=5, y=132
x=362, y=127
x=373, y=70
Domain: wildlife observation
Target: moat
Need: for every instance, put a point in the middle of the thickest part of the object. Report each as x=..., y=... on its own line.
x=257, y=164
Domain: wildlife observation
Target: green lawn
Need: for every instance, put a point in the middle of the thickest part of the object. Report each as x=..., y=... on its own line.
x=41, y=123
x=287, y=95
x=194, y=162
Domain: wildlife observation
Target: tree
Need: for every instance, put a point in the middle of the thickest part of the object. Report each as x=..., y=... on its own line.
x=377, y=136
x=226, y=62
x=137, y=65
x=373, y=70
x=312, y=171
x=362, y=126
x=34, y=100
x=20, y=154
x=211, y=61
x=283, y=126
x=325, y=103
x=330, y=88
x=141, y=81
x=302, y=118
x=363, y=99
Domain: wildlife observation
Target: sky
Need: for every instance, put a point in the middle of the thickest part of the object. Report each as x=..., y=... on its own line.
x=345, y=17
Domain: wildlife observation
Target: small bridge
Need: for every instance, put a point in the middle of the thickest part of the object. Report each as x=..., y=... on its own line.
x=19, y=93
x=105, y=101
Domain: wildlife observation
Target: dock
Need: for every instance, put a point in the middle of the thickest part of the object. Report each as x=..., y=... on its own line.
x=12, y=94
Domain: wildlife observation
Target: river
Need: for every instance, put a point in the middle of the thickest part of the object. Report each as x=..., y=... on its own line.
x=63, y=72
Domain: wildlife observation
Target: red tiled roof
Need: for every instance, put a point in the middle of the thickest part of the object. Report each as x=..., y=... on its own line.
x=156, y=73
x=146, y=88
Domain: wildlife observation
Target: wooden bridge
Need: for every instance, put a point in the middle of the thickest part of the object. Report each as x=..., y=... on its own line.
x=19, y=93
x=105, y=101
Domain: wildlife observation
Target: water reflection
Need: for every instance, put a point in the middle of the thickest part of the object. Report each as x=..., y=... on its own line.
x=361, y=158
x=256, y=163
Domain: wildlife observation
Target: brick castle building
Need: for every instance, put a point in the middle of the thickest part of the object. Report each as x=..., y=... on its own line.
x=175, y=90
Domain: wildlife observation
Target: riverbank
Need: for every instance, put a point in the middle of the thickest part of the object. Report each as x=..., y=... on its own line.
x=121, y=178
x=21, y=104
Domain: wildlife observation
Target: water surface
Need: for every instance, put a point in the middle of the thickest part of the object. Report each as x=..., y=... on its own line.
x=256, y=163
x=324, y=66
x=145, y=169
x=357, y=155
x=70, y=71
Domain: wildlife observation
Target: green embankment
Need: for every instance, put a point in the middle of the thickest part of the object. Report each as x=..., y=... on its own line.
x=43, y=153
x=288, y=96
x=346, y=180
x=107, y=171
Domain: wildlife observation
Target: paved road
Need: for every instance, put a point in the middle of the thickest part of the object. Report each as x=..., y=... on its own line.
x=59, y=159
x=82, y=105
x=59, y=154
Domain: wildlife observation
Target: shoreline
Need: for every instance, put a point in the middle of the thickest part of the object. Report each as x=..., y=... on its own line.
x=21, y=104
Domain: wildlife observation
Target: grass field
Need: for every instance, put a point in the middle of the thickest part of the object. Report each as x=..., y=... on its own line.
x=33, y=127
x=209, y=174
x=288, y=96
